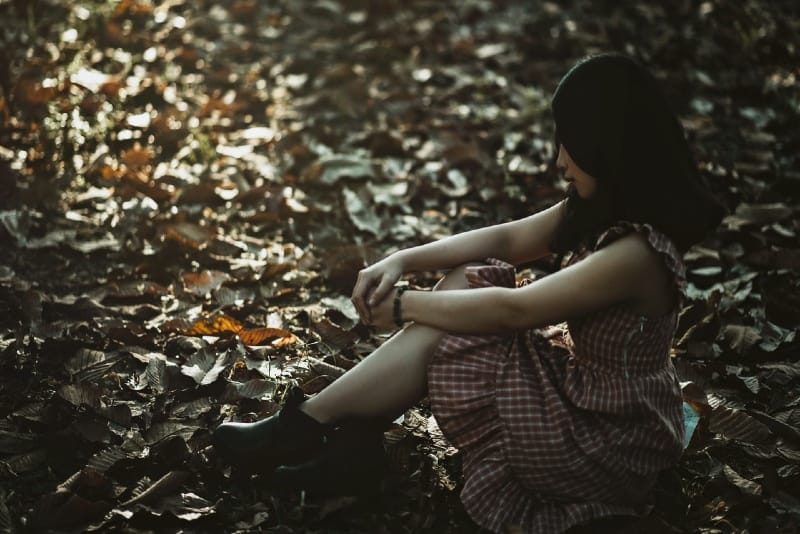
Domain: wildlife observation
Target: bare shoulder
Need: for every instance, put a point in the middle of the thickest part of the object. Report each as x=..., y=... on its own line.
x=643, y=268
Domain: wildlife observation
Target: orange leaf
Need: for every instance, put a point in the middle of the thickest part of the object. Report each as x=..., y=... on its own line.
x=132, y=8
x=212, y=326
x=137, y=157
x=263, y=336
x=109, y=173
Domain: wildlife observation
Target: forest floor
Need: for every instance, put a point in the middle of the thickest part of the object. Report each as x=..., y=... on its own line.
x=188, y=189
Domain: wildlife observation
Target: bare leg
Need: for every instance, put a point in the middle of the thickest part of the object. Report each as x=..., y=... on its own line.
x=391, y=379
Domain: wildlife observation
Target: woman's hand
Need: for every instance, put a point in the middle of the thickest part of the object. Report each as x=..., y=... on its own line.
x=373, y=285
x=382, y=313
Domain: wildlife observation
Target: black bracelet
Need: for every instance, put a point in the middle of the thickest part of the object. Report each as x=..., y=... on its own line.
x=398, y=314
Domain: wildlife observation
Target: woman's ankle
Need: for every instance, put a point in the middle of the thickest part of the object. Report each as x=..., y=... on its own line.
x=313, y=411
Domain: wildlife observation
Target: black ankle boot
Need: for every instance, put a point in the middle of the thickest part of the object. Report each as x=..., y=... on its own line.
x=288, y=437
x=352, y=462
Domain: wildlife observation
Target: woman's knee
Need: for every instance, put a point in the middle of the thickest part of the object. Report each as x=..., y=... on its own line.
x=455, y=279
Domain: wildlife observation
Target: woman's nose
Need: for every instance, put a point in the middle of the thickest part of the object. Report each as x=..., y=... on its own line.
x=560, y=163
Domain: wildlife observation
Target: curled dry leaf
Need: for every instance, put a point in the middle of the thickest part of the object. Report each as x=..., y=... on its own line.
x=164, y=486
x=225, y=324
x=329, y=170
x=333, y=334
x=266, y=336
x=215, y=325
x=204, y=282
x=163, y=430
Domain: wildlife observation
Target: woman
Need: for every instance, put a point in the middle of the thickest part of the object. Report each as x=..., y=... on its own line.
x=558, y=424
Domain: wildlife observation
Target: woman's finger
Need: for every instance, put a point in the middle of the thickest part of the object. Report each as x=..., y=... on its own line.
x=358, y=298
x=380, y=291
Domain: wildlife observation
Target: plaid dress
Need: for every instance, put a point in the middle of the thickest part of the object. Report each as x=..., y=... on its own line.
x=562, y=425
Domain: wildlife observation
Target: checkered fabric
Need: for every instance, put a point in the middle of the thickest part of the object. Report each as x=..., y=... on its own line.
x=567, y=424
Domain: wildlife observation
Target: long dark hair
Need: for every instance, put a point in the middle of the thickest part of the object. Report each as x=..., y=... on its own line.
x=617, y=125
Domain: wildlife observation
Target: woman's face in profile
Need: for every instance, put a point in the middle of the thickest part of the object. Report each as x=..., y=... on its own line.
x=584, y=184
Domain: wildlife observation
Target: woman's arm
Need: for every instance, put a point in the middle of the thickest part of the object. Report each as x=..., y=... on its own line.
x=626, y=270
x=514, y=242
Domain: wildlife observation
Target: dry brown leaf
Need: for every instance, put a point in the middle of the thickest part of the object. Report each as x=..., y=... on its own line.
x=32, y=93
x=213, y=326
x=137, y=157
x=204, y=282
x=252, y=389
x=264, y=336
x=324, y=368
x=740, y=338
x=165, y=485
x=333, y=334
x=132, y=8
x=189, y=235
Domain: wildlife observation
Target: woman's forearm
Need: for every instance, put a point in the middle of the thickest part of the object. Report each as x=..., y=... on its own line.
x=514, y=242
x=449, y=252
x=470, y=311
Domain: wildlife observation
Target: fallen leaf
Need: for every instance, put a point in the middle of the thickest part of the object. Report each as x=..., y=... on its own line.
x=252, y=389
x=204, y=282
x=329, y=170
x=82, y=394
x=361, y=213
x=162, y=487
x=205, y=365
x=185, y=506
x=137, y=157
x=740, y=338
x=215, y=325
x=757, y=214
x=263, y=336
x=736, y=424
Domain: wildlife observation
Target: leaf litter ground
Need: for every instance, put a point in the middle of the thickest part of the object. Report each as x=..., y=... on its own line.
x=188, y=190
